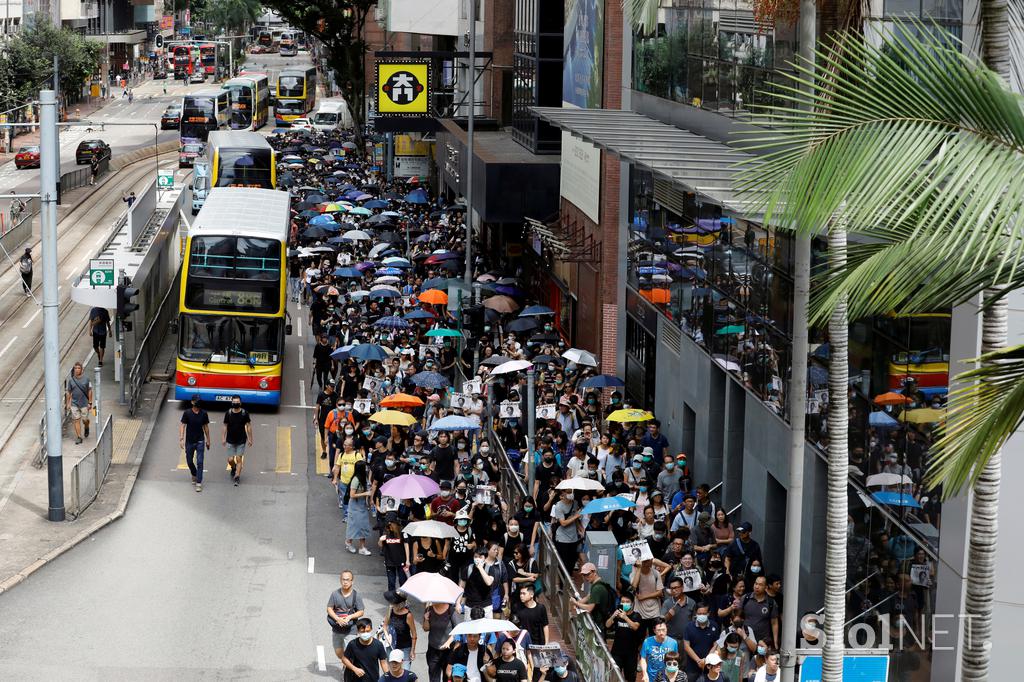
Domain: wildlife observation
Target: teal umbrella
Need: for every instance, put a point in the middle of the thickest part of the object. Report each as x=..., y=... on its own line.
x=731, y=329
x=444, y=332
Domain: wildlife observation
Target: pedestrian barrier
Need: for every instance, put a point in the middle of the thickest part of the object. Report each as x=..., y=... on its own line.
x=17, y=227
x=82, y=176
x=148, y=350
x=40, y=457
x=87, y=476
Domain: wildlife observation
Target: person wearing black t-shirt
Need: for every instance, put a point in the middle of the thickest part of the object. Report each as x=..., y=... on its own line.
x=237, y=434
x=444, y=458
x=477, y=580
x=547, y=470
x=533, y=617
x=623, y=628
x=325, y=402
x=323, y=363
x=194, y=438
x=365, y=654
x=507, y=668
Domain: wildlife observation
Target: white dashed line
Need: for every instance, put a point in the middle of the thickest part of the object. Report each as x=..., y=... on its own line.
x=321, y=660
x=302, y=393
x=298, y=321
x=309, y=565
x=302, y=362
x=31, y=319
x=9, y=344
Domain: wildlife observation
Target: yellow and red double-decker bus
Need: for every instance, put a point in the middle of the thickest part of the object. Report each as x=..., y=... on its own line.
x=231, y=327
x=208, y=58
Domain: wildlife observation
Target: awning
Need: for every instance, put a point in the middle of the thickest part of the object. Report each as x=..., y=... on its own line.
x=568, y=240
x=703, y=166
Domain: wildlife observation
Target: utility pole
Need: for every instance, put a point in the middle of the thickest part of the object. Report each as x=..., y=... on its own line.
x=531, y=428
x=469, y=143
x=49, y=174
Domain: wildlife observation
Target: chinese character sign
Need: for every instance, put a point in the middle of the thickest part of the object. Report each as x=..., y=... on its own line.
x=403, y=88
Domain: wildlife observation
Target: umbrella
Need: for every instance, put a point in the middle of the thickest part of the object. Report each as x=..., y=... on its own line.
x=401, y=400
x=323, y=221
x=429, y=529
x=417, y=196
x=580, y=357
x=326, y=290
x=348, y=145
x=511, y=366
x=924, y=415
x=488, y=277
x=369, y=351
x=331, y=208
x=817, y=375
x=431, y=587
x=397, y=262
x=350, y=273
x=376, y=288
x=579, y=483
x=548, y=359
x=896, y=499
x=453, y=422
x=357, y=236
x=534, y=310
x=891, y=398
x=888, y=479
x=882, y=420
x=730, y=329
x=506, y=290
x=379, y=219
x=393, y=417
x=495, y=360
x=410, y=486
x=376, y=203
x=429, y=380
x=359, y=210
x=379, y=249
x=387, y=279
x=602, y=381
x=341, y=353
x=445, y=332
x=434, y=297
x=501, y=304
x=630, y=416
x=522, y=324
x=607, y=504
x=315, y=232
x=359, y=294
x=482, y=626
x=419, y=314
x=436, y=283
x=392, y=322
x=392, y=214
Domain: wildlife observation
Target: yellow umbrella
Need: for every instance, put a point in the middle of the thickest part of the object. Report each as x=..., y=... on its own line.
x=630, y=416
x=924, y=415
x=393, y=418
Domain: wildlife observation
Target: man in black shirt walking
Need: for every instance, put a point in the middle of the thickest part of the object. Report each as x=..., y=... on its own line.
x=325, y=402
x=194, y=437
x=237, y=434
x=322, y=362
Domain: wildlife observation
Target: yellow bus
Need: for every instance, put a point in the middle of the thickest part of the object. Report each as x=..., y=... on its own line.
x=296, y=94
x=249, y=98
x=241, y=159
x=231, y=326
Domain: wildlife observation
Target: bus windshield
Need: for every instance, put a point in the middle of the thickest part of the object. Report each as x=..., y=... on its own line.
x=229, y=257
x=198, y=118
x=229, y=339
x=290, y=86
x=290, y=107
x=244, y=168
x=241, y=106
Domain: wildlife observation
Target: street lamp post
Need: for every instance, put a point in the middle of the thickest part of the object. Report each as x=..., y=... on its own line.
x=531, y=427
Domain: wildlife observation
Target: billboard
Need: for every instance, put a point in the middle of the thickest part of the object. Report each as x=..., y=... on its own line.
x=167, y=22
x=583, y=53
x=431, y=17
x=580, y=179
x=403, y=88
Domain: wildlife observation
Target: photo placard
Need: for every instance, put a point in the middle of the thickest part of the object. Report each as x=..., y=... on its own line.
x=635, y=552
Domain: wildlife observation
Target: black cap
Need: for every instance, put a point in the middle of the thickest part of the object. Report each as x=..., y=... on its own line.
x=394, y=597
x=446, y=485
x=195, y=399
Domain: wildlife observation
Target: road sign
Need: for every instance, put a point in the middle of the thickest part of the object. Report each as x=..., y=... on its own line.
x=165, y=179
x=101, y=272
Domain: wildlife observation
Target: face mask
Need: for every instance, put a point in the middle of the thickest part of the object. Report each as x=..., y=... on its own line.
x=366, y=636
x=659, y=536
x=626, y=608
x=702, y=618
x=446, y=494
x=560, y=670
x=647, y=458
x=463, y=522
x=527, y=509
x=738, y=625
x=367, y=432
x=755, y=569
x=237, y=406
x=761, y=651
x=615, y=401
x=462, y=446
x=643, y=488
x=513, y=529
x=484, y=449
x=636, y=465
x=389, y=463
x=732, y=649
x=478, y=465
x=671, y=668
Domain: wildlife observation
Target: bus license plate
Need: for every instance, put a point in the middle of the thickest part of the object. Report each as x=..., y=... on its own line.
x=223, y=398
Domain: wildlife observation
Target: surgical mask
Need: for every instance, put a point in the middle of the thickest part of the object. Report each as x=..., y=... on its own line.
x=755, y=569
x=389, y=463
x=446, y=494
x=762, y=650
x=647, y=458
x=702, y=618
x=366, y=636
x=527, y=509
x=462, y=446
x=349, y=432
x=478, y=465
x=671, y=668
x=636, y=465
x=659, y=536
x=560, y=670
x=732, y=649
x=626, y=608
x=670, y=466
x=463, y=522
x=367, y=432
x=513, y=529
x=484, y=449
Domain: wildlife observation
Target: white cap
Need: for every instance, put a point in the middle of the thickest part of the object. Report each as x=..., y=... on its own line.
x=396, y=656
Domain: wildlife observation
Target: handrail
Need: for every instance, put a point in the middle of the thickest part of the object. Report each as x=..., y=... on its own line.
x=735, y=509
x=869, y=609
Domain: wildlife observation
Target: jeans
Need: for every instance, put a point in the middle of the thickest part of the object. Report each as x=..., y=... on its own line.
x=436, y=661
x=396, y=578
x=342, y=489
x=194, y=458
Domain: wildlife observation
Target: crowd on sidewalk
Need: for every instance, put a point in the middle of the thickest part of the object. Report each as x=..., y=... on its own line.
x=409, y=446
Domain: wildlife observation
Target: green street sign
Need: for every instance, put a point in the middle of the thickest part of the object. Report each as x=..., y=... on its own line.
x=165, y=179
x=101, y=272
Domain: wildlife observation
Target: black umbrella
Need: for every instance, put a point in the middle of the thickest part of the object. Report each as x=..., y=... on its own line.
x=522, y=324
x=315, y=232
x=316, y=197
x=380, y=220
x=303, y=205
x=544, y=338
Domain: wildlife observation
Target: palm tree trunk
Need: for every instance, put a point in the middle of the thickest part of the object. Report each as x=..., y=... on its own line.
x=838, y=468
x=984, y=521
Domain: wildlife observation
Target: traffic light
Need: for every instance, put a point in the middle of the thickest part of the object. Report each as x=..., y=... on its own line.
x=473, y=320
x=125, y=294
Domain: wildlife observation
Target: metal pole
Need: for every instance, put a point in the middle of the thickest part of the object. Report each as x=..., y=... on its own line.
x=389, y=156
x=49, y=151
x=97, y=397
x=469, y=142
x=531, y=427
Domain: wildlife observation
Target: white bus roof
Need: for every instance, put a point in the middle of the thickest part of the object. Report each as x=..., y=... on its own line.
x=332, y=105
x=245, y=78
x=237, y=138
x=244, y=211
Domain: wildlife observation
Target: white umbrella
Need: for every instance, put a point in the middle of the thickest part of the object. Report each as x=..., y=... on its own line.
x=358, y=294
x=430, y=529
x=511, y=366
x=379, y=287
x=378, y=249
x=580, y=357
x=387, y=279
x=356, y=236
x=483, y=626
x=888, y=479
x=579, y=483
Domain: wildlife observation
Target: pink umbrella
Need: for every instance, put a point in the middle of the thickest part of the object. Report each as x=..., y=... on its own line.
x=431, y=587
x=409, y=486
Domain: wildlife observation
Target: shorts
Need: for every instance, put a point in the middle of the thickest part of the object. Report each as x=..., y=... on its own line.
x=235, y=450
x=340, y=641
x=99, y=342
x=80, y=412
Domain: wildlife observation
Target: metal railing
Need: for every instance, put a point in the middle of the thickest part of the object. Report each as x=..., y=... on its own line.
x=148, y=350
x=87, y=476
x=81, y=176
x=40, y=458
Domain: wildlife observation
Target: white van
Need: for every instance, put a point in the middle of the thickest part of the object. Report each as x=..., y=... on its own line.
x=332, y=114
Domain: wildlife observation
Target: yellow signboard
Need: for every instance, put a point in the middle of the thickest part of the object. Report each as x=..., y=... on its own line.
x=403, y=87
x=406, y=146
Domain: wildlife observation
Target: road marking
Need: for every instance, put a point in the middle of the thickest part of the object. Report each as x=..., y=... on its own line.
x=309, y=565
x=302, y=362
x=284, y=450
x=302, y=393
x=297, y=407
x=181, y=460
x=321, y=660
x=9, y=344
x=32, y=319
x=298, y=320
x=321, y=464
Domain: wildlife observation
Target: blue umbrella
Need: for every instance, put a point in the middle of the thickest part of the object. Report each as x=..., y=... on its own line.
x=435, y=283
x=391, y=214
x=368, y=351
x=429, y=380
x=602, y=381
x=315, y=232
x=383, y=272
x=652, y=271
x=350, y=273
x=452, y=422
x=323, y=220
x=385, y=293
x=419, y=314
x=607, y=504
x=535, y=310
x=341, y=353
x=376, y=203
x=882, y=420
x=417, y=196
x=391, y=322
x=896, y=499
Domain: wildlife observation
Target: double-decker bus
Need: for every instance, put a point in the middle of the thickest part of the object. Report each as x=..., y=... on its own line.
x=296, y=94
x=231, y=323
x=300, y=39
x=265, y=38
x=241, y=159
x=208, y=58
x=201, y=113
x=288, y=46
x=184, y=60
x=249, y=97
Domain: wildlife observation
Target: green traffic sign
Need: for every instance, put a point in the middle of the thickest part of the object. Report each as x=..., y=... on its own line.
x=101, y=272
x=165, y=180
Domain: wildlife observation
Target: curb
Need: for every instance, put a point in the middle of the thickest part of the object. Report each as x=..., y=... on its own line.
x=99, y=523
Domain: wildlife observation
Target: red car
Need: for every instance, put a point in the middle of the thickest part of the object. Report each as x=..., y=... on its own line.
x=27, y=157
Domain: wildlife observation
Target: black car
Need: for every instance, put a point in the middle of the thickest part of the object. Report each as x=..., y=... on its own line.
x=87, y=149
x=171, y=118
x=159, y=75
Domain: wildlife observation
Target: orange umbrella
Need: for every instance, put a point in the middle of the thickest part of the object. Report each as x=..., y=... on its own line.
x=892, y=398
x=434, y=296
x=401, y=400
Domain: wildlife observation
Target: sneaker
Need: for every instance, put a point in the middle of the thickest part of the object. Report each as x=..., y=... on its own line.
x=199, y=487
x=232, y=465
x=236, y=480
x=323, y=455
x=99, y=364
x=350, y=548
x=78, y=441
x=364, y=551
x=87, y=430
x=193, y=480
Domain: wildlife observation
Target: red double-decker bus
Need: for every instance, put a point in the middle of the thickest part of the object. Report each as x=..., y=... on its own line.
x=208, y=57
x=183, y=61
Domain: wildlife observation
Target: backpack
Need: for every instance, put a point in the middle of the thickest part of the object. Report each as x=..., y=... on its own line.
x=25, y=264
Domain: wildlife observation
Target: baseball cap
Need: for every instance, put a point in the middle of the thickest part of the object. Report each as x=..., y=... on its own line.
x=744, y=527
x=710, y=659
x=458, y=670
x=639, y=459
x=446, y=485
x=587, y=568
x=396, y=656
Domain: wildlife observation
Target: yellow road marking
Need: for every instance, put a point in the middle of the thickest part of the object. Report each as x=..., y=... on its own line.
x=321, y=464
x=284, y=450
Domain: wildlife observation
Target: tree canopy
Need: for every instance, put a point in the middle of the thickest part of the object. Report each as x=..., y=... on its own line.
x=28, y=62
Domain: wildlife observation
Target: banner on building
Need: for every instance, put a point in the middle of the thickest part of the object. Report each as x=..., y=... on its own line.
x=167, y=22
x=403, y=88
x=411, y=166
x=583, y=53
